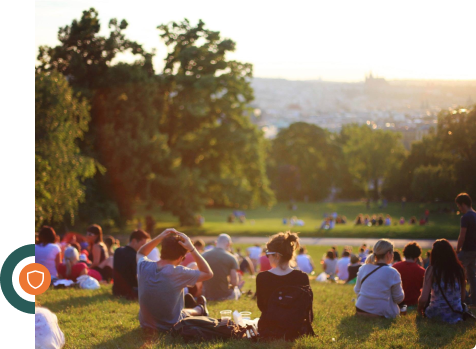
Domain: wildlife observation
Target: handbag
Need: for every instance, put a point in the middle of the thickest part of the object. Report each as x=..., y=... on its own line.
x=465, y=313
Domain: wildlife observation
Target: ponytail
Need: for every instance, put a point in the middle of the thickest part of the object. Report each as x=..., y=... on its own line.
x=71, y=256
x=285, y=244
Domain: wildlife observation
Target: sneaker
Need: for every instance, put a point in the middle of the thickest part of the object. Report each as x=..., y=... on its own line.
x=202, y=302
x=190, y=302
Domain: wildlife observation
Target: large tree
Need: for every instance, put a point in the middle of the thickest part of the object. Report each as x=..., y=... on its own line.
x=304, y=159
x=206, y=117
x=61, y=119
x=371, y=155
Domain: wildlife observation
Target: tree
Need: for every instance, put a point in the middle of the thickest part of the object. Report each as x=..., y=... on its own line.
x=61, y=119
x=305, y=162
x=371, y=155
x=205, y=116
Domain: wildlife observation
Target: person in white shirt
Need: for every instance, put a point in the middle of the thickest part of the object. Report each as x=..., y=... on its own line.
x=254, y=252
x=304, y=261
x=47, y=252
x=379, y=286
x=342, y=264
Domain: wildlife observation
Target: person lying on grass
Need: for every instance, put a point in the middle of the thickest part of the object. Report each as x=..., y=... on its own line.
x=161, y=296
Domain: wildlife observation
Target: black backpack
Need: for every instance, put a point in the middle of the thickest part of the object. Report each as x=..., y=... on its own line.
x=289, y=314
x=203, y=328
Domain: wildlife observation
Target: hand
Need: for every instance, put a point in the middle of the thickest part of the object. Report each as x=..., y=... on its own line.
x=167, y=232
x=185, y=241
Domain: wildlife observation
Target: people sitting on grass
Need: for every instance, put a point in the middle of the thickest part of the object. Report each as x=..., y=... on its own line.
x=329, y=264
x=402, y=220
x=444, y=288
x=388, y=220
x=125, y=266
x=72, y=268
x=47, y=252
x=225, y=284
x=161, y=284
x=363, y=253
x=353, y=268
x=426, y=261
x=466, y=247
x=380, y=220
x=246, y=265
x=412, y=221
x=411, y=273
x=110, y=243
x=359, y=220
x=98, y=251
x=342, y=266
x=280, y=251
x=304, y=261
x=379, y=286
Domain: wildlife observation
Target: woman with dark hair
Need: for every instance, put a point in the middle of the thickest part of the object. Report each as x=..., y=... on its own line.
x=280, y=251
x=47, y=252
x=444, y=286
x=97, y=250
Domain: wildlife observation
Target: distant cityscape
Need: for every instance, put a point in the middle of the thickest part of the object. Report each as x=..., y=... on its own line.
x=409, y=107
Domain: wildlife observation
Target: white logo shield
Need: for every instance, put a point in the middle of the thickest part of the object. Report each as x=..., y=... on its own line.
x=32, y=272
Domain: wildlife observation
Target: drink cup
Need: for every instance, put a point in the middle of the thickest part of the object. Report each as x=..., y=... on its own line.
x=246, y=315
x=225, y=316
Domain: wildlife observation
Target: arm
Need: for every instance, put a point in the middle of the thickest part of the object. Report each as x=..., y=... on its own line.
x=461, y=238
x=425, y=293
x=58, y=260
x=233, y=278
x=397, y=293
x=148, y=247
x=206, y=272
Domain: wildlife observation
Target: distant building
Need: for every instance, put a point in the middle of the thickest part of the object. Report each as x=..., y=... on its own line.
x=373, y=83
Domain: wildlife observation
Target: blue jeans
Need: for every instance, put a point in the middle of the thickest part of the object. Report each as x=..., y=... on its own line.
x=468, y=259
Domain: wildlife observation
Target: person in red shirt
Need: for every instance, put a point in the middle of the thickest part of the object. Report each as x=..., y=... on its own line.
x=264, y=264
x=72, y=268
x=411, y=273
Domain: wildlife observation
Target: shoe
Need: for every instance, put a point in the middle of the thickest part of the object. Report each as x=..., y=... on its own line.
x=190, y=302
x=202, y=301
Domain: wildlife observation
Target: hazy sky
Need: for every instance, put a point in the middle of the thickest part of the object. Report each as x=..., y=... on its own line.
x=333, y=40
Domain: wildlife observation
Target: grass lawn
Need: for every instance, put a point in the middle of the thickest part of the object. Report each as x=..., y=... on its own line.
x=94, y=319
x=262, y=221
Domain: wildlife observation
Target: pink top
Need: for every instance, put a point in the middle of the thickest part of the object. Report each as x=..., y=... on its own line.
x=264, y=263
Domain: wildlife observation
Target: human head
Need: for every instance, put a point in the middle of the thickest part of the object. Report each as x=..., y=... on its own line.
x=138, y=239
x=397, y=257
x=109, y=241
x=199, y=244
x=330, y=254
x=428, y=254
x=281, y=248
x=382, y=252
x=464, y=202
x=47, y=235
x=71, y=256
x=412, y=250
x=302, y=250
x=224, y=242
x=346, y=253
x=94, y=234
x=76, y=245
x=445, y=263
x=171, y=250
x=354, y=259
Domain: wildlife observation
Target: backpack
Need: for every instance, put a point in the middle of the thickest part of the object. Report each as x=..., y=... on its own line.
x=289, y=314
x=204, y=328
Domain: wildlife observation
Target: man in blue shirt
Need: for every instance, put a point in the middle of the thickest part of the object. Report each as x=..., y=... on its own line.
x=466, y=248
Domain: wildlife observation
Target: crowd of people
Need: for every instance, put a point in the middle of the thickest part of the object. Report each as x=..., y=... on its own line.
x=381, y=220
x=178, y=284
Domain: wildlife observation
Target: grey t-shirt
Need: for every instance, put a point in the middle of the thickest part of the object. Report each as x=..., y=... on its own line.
x=161, y=297
x=222, y=263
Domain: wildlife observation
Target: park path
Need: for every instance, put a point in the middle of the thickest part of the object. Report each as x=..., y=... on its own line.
x=399, y=243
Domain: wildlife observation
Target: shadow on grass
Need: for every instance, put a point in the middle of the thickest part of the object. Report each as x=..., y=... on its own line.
x=359, y=328
x=133, y=339
x=435, y=333
x=82, y=301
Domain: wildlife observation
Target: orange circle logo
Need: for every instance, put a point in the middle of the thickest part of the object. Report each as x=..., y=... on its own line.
x=35, y=279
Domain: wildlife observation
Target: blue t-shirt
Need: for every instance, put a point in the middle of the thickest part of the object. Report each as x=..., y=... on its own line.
x=468, y=221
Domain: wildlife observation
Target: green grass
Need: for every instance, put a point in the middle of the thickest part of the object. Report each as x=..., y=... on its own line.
x=94, y=319
x=263, y=221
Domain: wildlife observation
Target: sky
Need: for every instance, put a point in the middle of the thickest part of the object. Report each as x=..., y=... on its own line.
x=303, y=40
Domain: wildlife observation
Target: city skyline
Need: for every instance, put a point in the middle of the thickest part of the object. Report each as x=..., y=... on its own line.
x=304, y=41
